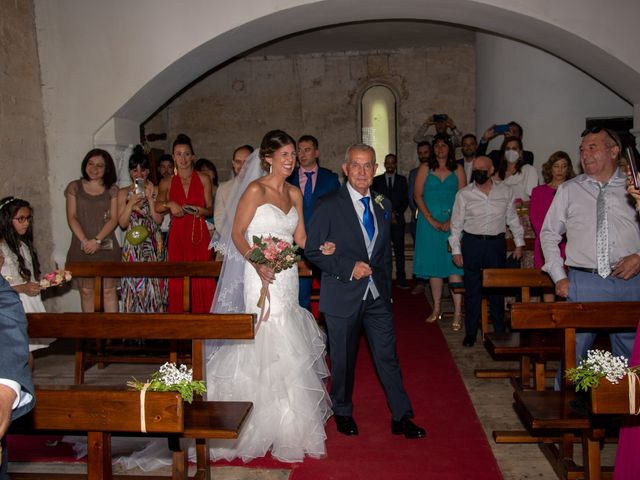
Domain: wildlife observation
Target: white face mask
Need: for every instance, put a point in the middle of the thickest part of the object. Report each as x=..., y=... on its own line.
x=511, y=156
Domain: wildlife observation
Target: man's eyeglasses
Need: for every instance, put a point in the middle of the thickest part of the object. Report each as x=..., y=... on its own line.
x=23, y=219
x=610, y=133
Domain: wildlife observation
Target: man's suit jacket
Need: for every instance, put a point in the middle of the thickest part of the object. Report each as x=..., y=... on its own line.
x=14, y=343
x=399, y=194
x=336, y=220
x=326, y=182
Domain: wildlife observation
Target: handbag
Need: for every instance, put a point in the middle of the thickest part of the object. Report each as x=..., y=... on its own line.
x=137, y=235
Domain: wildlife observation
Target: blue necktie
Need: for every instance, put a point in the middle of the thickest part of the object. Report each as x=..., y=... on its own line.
x=308, y=188
x=367, y=218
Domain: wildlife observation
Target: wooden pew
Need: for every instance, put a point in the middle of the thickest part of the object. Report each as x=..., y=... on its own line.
x=100, y=270
x=531, y=347
x=547, y=411
x=203, y=419
x=458, y=288
x=99, y=411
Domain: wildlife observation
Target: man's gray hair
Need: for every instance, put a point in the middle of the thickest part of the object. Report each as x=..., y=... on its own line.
x=360, y=147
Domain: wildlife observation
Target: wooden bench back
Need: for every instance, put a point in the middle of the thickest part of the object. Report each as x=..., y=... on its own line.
x=186, y=270
x=158, y=326
x=522, y=278
x=87, y=408
x=570, y=316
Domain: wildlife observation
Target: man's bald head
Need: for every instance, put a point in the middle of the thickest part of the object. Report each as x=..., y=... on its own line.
x=483, y=163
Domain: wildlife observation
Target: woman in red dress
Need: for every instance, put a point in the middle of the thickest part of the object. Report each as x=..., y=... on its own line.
x=186, y=195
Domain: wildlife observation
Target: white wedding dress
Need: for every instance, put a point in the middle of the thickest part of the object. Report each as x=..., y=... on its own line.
x=281, y=371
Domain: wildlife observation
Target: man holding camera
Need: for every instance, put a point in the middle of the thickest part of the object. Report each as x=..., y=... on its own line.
x=443, y=124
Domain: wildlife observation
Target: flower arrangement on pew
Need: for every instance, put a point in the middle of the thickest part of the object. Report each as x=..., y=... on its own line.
x=599, y=364
x=275, y=253
x=171, y=378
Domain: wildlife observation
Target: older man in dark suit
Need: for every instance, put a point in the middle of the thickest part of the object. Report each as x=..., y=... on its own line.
x=356, y=289
x=314, y=182
x=396, y=189
x=16, y=387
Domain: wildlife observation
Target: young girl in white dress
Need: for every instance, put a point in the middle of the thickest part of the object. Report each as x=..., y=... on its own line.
x=20, y=264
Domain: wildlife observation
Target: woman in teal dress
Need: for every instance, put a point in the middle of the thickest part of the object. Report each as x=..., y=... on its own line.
x=437, y=183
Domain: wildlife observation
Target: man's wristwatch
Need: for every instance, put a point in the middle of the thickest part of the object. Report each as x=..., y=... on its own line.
x=98, y=241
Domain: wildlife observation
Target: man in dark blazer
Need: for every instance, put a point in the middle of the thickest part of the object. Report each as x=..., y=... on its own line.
x=356, y=289
x=322, y=181
x=16, y=387
x=396, y=189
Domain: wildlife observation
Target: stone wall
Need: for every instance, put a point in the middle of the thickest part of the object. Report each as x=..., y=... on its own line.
x=319, y=94
x=23, y=162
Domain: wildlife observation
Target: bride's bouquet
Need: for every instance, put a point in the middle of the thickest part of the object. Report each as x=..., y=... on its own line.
x=275, y=253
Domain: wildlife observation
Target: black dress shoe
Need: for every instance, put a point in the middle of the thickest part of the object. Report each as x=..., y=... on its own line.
x=407, y=428
x=346, y=425
x=469, y=340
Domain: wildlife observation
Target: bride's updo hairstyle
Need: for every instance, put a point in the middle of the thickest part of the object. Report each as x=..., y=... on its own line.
x=272, y=141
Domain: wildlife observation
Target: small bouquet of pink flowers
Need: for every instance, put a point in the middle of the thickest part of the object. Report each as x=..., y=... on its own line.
x=275, y=253
x=55, y=278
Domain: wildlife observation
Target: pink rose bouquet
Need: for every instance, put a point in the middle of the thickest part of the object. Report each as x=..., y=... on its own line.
x=55, y=278
x=275, y=253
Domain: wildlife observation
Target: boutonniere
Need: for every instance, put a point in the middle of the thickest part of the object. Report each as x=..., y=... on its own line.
x=378, y=199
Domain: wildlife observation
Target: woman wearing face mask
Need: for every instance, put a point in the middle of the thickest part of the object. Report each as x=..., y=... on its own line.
x=522, y=179
x=436, y=185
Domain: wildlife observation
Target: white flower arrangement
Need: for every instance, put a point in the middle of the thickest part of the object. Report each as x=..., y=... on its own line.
x=599, y=364
x=378, y=199
x=171, y=378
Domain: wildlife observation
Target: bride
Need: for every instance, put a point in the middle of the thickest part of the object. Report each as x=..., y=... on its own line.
x=281, y=370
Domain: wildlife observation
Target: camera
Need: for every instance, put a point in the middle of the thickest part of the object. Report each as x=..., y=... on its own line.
x=440, y=117
x=139, y=187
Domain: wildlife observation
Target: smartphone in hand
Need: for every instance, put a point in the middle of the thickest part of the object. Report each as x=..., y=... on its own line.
x=502, y=128
x=190, y=209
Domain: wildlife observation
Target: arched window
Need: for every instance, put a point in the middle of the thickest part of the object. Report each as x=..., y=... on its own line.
x=378, y=116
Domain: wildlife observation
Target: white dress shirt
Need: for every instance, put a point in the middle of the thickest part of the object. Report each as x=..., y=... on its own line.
x=523, y=182
x=468, y=168
x=573, y=212
x=480, y=214
x=222, y=198
x=22, y=397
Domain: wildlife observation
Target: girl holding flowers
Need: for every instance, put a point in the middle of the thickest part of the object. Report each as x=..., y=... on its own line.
x=20, y=264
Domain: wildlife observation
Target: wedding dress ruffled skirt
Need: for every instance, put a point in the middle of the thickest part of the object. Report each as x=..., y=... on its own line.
x=281, y=371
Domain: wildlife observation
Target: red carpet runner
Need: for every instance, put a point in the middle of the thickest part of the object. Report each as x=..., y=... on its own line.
x=456, y=447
